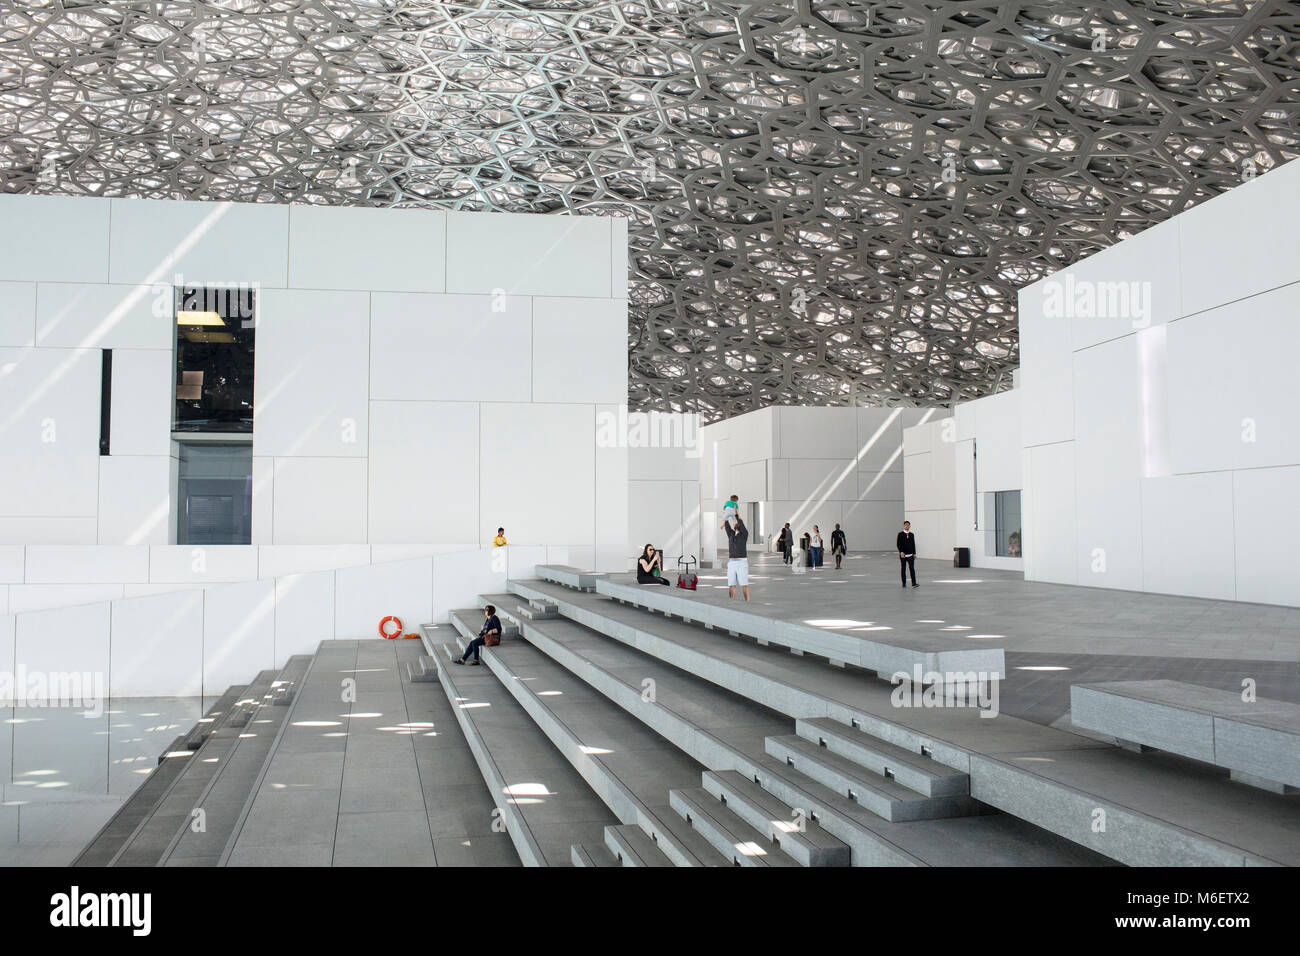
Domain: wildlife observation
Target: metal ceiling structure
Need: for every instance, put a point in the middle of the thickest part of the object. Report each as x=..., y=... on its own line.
x=831, y=202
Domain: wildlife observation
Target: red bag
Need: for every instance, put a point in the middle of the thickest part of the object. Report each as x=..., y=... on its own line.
x=686, y=578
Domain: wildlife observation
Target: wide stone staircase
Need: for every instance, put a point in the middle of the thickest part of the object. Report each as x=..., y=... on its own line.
x=686, y=736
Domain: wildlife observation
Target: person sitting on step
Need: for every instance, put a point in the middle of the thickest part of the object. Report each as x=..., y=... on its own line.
x=650, y=567
x=491, y=625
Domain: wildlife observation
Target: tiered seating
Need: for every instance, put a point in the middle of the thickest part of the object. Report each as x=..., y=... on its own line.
x=543, y=802
x=745, y=808
x=1257, y=741
x=897, y=785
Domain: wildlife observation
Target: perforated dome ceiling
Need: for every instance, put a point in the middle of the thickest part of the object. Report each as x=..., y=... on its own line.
x=831, y=202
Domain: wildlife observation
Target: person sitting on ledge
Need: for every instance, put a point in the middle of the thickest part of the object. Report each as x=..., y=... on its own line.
x=650, y=567
x=500, y=540
x=491, y=625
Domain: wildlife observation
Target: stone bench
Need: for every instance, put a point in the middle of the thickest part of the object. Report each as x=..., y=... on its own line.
x=1257, y=741
x=931, y=655
x=568, y=576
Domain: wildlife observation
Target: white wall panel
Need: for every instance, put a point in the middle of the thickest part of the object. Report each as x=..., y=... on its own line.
x=816, y=432
x=1108, y=464
x=97, y=315
x=1046, y=372
x=871, y=525
x=49, y=402
x=312, y=391
x=1131, y=286
x=574, y=341
x=538, y=476
x=521, y=561
x=655, y=515
x=157, y=646
x=935, y=532
x=749, y=481
x=1187, y=535
x=618, y=281
x=134, y=500
x=53, y=238
x=611, y=500
x=282, y=559
x=879, y=439
x=675, y=464
x=1266, y=524
x=38, y=597
x=263, y=517
x=1230, y=375
x=528, y=254
x=1240, y=243
x=195, y=564
x=459, y=580
x=238, y=633
x=451, y=347
x=424, y=471
x=13, y=563
x=47, y=530
x=1050, y=529
x=881, y=485
x=154, y=240
x=17, y=314
x=821, y=478
x=304, y=613
x=320, y=501
x=355, y=247
x=142, y=401
x=364, y=596
x=75, y=564
x=71, y=640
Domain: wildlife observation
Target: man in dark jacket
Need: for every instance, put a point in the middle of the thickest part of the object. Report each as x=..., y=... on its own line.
x=737, y=557
x=838, y=545
x=906, y=543
x=785, y=543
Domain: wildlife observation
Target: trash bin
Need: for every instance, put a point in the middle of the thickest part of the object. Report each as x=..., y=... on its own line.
x=961, y=557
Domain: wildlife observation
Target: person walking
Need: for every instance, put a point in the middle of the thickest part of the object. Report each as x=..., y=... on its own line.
x=838, y=545
x=817, y=547
x=906, y=543
x=737, y=557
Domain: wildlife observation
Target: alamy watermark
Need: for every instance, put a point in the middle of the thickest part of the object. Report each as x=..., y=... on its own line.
x=923, y=688
x=32, y=688
x=1072, y=298
x=624, y=429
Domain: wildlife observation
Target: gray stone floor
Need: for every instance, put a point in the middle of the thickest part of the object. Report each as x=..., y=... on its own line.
x=384, y=779
x=1022, y=616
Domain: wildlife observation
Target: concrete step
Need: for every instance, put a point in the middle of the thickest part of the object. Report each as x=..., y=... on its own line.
x=609, y=750
x=793, y=833
x=890, y=761
x=587, y=854
x=937, y=655
x=885, y=798
x=106, y=844
x=515, y=757
x=631, y=846
x=1257, y=741
x=149, y=843
x=229, y=780
x=724, y=731
x=424, y=669
x=567, y=576
x=726, y=832
x=538, y=611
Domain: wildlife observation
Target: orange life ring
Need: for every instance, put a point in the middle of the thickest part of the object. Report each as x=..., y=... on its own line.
x=396, y=620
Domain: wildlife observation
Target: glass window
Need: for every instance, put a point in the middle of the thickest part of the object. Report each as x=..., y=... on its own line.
x=215, y=493
x=214, y=359
x=1007, y=524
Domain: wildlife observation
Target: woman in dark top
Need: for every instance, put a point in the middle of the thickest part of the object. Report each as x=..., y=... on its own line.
x=646, y=565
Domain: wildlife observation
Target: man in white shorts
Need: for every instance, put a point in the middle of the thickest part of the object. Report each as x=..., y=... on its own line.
x=737, y=557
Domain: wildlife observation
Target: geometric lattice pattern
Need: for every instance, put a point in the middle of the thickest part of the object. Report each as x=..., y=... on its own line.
x=830, y=202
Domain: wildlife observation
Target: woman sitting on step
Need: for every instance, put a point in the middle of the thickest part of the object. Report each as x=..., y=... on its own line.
x=650, y=567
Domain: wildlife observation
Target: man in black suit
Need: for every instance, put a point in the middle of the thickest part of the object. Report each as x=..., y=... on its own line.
x=906, y=543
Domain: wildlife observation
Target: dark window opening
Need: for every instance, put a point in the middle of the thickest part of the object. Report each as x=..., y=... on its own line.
x=215, y=493
x=215, y=328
